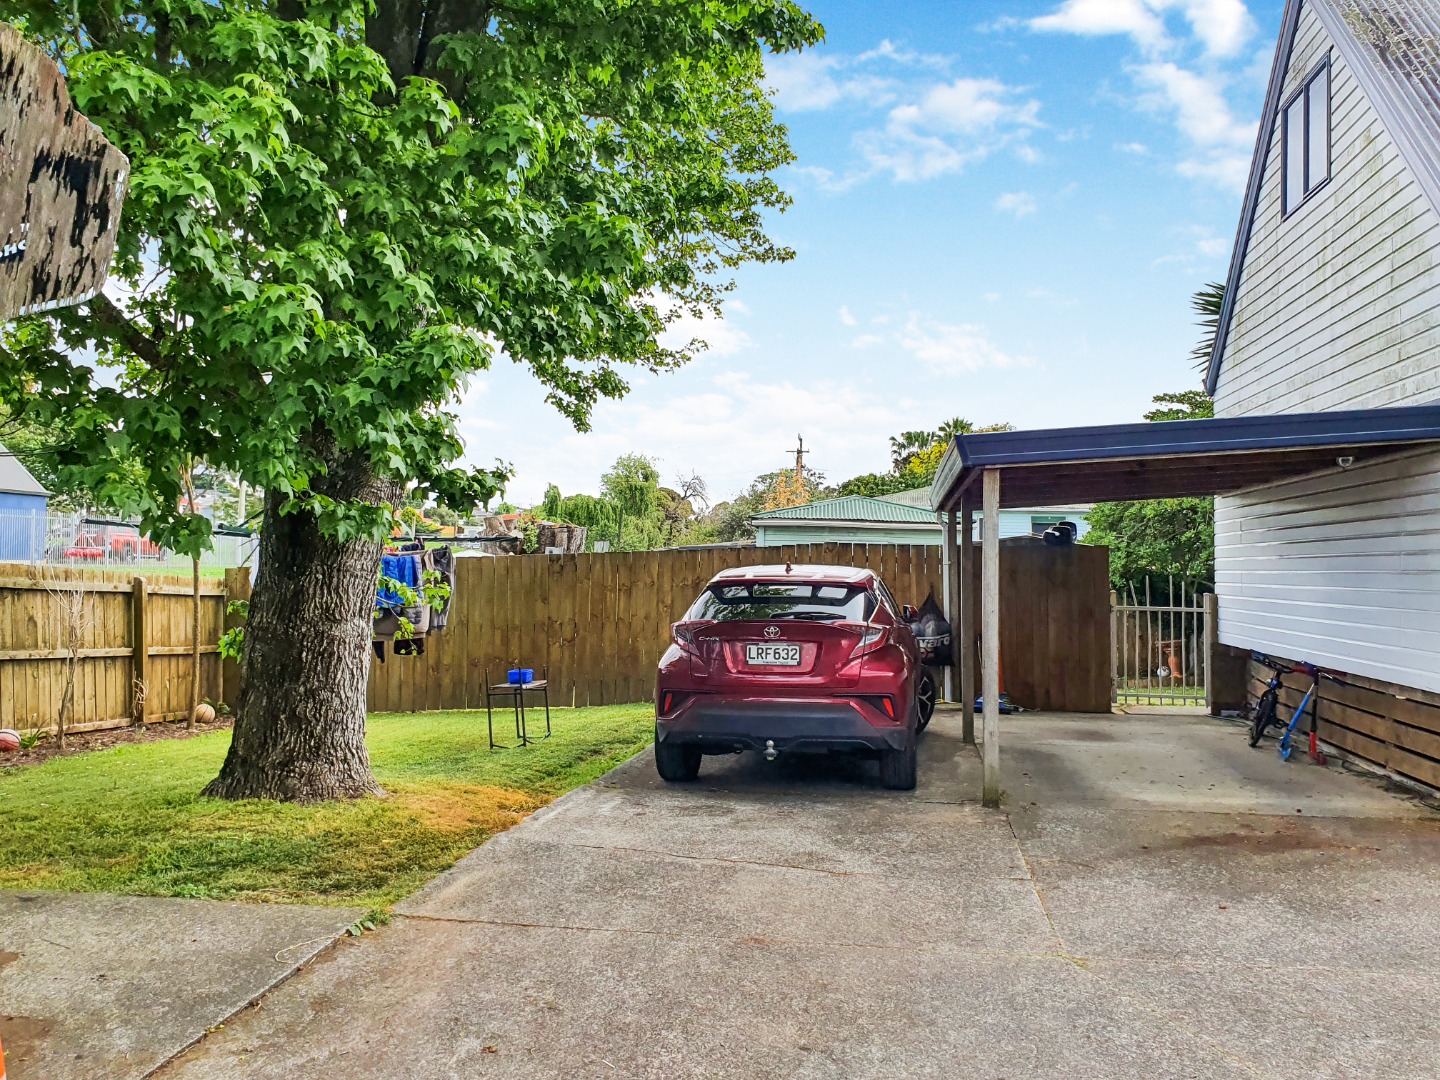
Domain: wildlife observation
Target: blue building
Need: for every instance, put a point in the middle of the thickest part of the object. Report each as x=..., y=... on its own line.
x=23, y=505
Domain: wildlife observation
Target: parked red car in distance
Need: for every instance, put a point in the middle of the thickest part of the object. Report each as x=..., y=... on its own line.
x=793, y=659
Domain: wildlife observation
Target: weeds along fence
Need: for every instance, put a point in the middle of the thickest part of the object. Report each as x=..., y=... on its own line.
x=597, y=624
x=119, y=644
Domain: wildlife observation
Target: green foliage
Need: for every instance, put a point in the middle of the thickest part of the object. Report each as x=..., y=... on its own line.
x=345, y=234
x=1184, y=405
x=232, y=642
x=128, y=819
x=1156, y=537
x=1207, y=303
x=731, y=520
x=1160, y=536
x=873, y=485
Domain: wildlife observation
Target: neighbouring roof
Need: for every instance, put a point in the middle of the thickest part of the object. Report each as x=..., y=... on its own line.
x=1176, y=458
x=913, y=497
x=15, y=479
x=853, y=508
x=1393, y=49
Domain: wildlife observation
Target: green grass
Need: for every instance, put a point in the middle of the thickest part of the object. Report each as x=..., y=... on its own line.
x=130, y=819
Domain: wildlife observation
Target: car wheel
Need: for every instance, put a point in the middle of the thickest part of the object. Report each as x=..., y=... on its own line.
x=925, y=699
x=675, y=763
x=898, y=767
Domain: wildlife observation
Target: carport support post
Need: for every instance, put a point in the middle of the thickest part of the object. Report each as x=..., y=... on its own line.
x=963, y=627
x=951, y=589
x=990, y=635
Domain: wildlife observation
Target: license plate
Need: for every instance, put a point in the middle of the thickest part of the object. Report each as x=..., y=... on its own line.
x=772, y=655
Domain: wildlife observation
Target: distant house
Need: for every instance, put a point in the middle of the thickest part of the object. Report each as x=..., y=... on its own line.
x=902, y=518
x=1333, y=303
x=23, y=503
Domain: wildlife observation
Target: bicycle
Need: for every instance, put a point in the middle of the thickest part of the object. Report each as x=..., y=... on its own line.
x=1268, y=709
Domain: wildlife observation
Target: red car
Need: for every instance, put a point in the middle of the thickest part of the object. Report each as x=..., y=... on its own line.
x=791, y=659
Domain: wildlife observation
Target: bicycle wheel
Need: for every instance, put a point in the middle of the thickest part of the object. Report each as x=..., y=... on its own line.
x=1264, y=716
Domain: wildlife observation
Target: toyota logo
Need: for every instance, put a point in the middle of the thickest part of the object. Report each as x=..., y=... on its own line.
x=772, y=631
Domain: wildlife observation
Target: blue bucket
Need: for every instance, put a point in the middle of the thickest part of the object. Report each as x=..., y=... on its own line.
x=527, y=676
x=514, y=675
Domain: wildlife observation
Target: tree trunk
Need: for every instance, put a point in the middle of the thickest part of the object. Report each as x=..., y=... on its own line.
x=300, y=721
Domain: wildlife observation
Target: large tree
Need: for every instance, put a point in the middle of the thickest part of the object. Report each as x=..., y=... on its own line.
x=339, y=212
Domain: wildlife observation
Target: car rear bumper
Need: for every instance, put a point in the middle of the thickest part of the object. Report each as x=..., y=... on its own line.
x=723, y=725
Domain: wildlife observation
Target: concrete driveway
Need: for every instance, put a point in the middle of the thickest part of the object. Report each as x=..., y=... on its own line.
x=1156, y=900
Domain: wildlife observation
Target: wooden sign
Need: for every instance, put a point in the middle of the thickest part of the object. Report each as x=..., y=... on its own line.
x=61, y=187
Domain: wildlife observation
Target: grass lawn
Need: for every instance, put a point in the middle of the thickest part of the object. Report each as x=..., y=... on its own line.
x=129, y=819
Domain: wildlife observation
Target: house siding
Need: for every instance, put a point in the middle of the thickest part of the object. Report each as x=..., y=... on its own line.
x=777, y=533
x=1338, y=307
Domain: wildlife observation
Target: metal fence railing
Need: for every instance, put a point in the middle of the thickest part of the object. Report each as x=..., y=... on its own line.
x=1159, y=650
x=41, y=537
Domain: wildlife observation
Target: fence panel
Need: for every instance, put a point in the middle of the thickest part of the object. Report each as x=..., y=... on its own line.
x=74, y=629
x=598, y=623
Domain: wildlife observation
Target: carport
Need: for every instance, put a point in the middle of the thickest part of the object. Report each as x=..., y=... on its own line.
x=1123, y=463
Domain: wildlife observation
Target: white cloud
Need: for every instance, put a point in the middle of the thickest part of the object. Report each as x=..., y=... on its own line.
x=846, y=318
x=1221, y=145
x=1137, y=148
x=810, y=81
x=1222, y=27
x=949, y=126
x=867, y=341
x=1100, y=17
x=951, y=349
x=721, y=337
x=1019, y=203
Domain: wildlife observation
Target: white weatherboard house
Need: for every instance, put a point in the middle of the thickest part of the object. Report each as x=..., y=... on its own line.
x=1333, y=303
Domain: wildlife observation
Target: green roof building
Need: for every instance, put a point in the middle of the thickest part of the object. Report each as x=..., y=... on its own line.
x=903, y=518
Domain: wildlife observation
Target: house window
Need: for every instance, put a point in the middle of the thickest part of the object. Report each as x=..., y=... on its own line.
x=1305, y=138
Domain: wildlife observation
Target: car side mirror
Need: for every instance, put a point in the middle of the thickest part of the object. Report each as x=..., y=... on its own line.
x=909, y=613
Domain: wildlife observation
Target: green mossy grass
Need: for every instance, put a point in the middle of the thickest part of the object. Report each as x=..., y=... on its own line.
x=130, y=819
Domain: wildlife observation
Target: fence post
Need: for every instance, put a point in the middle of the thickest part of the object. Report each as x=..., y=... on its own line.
x=237, y=587
x=139, y=651
x=1212, y=638
x=1114, y=647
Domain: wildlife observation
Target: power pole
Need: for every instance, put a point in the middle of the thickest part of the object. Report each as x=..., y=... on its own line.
x=800, y=461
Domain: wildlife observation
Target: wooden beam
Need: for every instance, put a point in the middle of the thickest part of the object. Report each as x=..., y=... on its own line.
x=950, y=603
x=964, y=628
x=990, y=632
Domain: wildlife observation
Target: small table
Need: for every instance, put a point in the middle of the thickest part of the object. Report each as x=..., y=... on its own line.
x=516, y=693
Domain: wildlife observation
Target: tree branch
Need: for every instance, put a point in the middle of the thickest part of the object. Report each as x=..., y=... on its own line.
x=119, y=327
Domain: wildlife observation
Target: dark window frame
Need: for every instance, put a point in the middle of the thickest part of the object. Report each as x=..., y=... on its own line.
x=1303, y=93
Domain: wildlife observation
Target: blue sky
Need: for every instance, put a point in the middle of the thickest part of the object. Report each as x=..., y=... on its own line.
x=1001, y=211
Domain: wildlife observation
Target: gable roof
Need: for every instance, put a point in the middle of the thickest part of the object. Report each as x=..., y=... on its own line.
x=1392, y=47
x=15, y=479
x=857, y=508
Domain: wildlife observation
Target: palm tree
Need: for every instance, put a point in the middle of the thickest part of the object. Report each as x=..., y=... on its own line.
x=907, y=444
x=951, y=428
x=1207, y=303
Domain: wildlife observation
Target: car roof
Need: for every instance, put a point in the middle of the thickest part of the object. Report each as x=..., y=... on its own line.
x=849, y=575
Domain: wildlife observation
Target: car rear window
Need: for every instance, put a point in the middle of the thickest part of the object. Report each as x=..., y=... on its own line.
x=765, y=600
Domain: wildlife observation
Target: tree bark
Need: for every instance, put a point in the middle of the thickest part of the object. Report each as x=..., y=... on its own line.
x=300, y=721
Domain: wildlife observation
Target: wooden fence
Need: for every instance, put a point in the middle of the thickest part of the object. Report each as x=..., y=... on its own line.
x=1395, y=727
x=127, y=631
x=598, y=623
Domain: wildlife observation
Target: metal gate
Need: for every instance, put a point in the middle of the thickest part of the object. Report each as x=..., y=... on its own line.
x=1159, y=645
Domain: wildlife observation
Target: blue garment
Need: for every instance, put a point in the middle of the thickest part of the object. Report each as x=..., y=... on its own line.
x=404, y=569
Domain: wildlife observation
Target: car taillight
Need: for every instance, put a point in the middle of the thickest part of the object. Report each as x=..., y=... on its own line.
x=683, y=634
x=871, y=638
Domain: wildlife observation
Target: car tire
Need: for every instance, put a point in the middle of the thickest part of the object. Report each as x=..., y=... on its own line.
x=677, y=764
x=899, y=768
x=925, y=700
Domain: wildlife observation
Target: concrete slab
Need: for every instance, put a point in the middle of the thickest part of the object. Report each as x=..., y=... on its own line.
x=532, y=1003
x=113, y=986
x=1154, y=911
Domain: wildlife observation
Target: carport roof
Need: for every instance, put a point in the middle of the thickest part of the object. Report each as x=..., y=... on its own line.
x=1177, y=458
